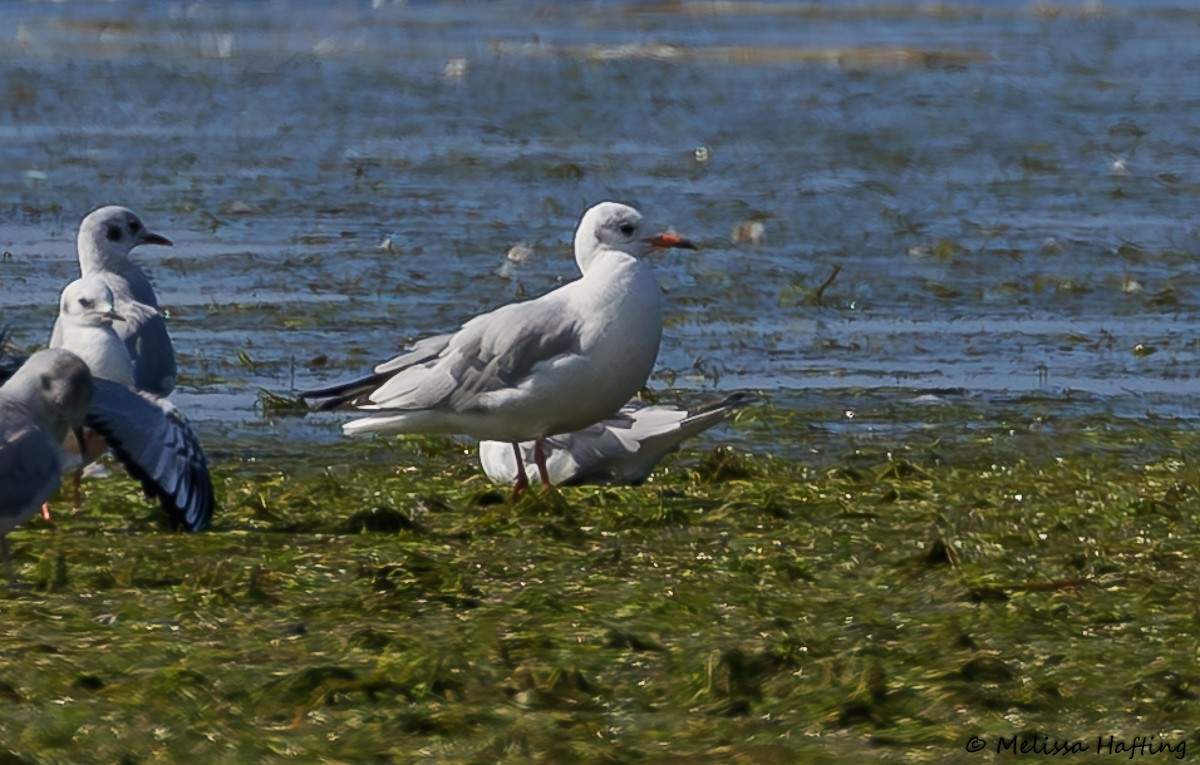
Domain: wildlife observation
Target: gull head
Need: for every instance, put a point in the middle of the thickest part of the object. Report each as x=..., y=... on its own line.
x=108, y=234
x=614, y=226
x=88, y=302
x=56, y=385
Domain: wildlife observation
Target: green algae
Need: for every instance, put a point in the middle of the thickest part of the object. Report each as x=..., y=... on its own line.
x=380, y=602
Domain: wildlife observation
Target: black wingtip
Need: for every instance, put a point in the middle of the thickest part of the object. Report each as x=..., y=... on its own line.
x=190, y=506
x=344, y=394
x=199, y=517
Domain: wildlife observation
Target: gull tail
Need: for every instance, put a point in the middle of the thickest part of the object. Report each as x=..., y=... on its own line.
x=347, y=393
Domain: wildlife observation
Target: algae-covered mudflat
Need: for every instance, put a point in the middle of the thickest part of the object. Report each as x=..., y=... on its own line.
x=889, y=604
x=952, y=246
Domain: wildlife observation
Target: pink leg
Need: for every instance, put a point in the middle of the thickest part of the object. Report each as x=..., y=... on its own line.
x=46, y=513
x=522, y=482
x=539, y=456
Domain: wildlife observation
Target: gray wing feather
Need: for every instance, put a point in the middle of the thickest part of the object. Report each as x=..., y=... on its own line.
x=622, y=449
x=582, y=456
x=494, y=351
x=157, y=445
x=661, y=429
x=422, y=350
x=356, y=391
x=145, y=334
x=30, y=468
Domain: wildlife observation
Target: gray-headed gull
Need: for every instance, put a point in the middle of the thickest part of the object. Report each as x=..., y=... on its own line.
x=530, y=370
x=622, y=449
x=106, y=238
x=148, y=434
x=44, y=399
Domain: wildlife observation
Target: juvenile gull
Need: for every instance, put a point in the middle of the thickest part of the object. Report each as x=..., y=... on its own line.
x=106, y=237
x=622, y=449
x=527, y=371
x=49, y=395
x=148, y=434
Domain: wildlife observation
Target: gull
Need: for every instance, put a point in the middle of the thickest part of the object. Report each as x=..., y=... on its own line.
x=49, y=395
x=106, y=237
x=149, y=436
x=528, y=371
x=621, y=449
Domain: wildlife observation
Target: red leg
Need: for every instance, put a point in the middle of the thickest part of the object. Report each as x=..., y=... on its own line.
x=522, y=482
x=539, y=456
x=46, y=513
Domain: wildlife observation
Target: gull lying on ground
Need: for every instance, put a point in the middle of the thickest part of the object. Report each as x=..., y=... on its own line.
x=106, y=237
x=148, y=434
x=622, y=449
x=530, y=370
x=49, y=395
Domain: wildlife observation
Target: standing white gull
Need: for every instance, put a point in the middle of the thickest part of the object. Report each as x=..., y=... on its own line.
x=148, y=434
x=106, y=238
x=622, y=449
x=526, y=371
x=49, y=395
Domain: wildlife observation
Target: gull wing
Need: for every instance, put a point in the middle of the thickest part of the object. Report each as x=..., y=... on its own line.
x=145, y=334
x=622, y=449
x=157, y=446
x=492, y=352
x=30, y=467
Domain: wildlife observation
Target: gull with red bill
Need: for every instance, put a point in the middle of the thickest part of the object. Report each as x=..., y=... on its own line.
x=106, y=238
x=528, y=371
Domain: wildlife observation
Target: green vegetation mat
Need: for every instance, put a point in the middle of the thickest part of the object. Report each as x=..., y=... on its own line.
x=386, y=605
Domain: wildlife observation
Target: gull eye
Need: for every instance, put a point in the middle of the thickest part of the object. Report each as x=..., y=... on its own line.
x=47, y=382
x=627, y=229
x=135, y=226
x=85, y=302
x=113, y=233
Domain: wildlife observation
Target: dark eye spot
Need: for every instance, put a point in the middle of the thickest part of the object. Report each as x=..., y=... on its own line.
x=113, y=233
x=135, y=226
x=85, y=302
x=47, y=382
x=627, y=229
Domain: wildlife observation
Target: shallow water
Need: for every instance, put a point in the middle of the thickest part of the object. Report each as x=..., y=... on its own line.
x=1008, y=190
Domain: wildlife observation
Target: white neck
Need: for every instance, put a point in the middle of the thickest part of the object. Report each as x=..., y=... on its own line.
x=601, y=258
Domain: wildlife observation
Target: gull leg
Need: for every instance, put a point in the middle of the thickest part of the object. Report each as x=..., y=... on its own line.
x=522, y=482
x=539, y=456
x=46, y=513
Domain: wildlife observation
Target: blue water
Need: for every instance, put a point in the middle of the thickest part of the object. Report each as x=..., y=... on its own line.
x=1009, y=189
